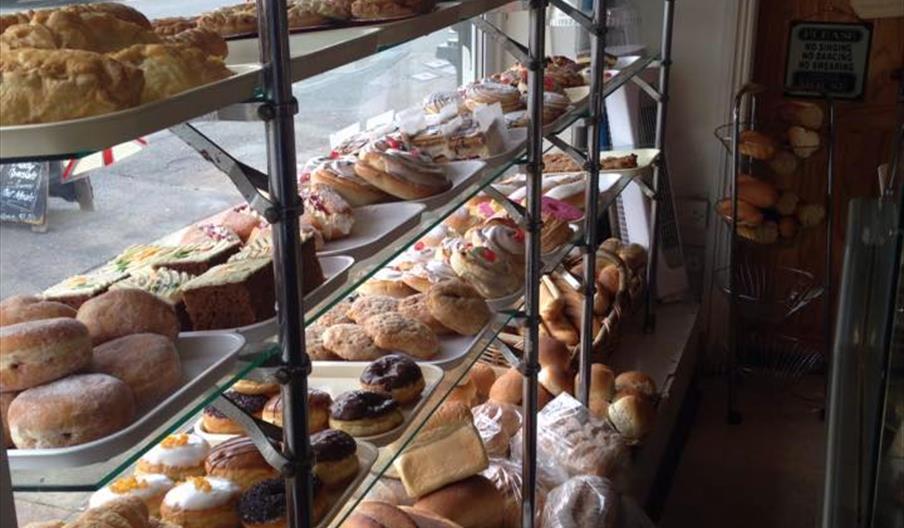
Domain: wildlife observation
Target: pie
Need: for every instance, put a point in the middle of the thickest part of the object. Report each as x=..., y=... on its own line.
x=170, y=69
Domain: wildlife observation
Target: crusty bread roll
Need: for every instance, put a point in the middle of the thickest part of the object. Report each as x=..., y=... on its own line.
x=127, y=311
x=508, y=387
x=148, y=363
x=553, y=353
x=633, y=416
x=757, y=192
x=473, y=503
x=748, y=215
x=428, y=519
x=375, y=514
x=803, y=141
x=37, y=352
x=483, y=377
x=23, y=308
x=635, y=382
x=5, y=399
x=801, y=113
x=465, y=392
x=70, y=411
x=784, y=163
x=757, y=145
x=602, y=389
x=556, y=380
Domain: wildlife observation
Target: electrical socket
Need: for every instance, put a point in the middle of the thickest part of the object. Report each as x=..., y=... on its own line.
x=693, y=218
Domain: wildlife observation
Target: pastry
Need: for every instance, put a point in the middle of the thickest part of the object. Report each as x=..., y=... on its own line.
x=377, y=9
x=483, y=269
x=264, y=504
x=628, y=161
x=393, y=331
x=749, y=216
x=465, y=139
x=436, y=101
x=339, y=174
x=24, y=308
x=240, y=222
x=318, y=410
x=43, y=86
x=124, y=512
x=218, y=423
x=389, y=282
x=351, y=342
x=420, y=254
x=71, y=411
x=178, y=456
x=170, y=69
x=169, y=26
x=366, y=306
x=464, y=392
x=238, y=293
x=504, y=237
x=149, y=488
x=327, y=211
x=239, y=461
x=554, y=105
x=202, y=502
x=256, y=386
x=335, y=457
x=230, y=20
x=460, y=220
x=483, y=376
x=472, y=503
x=75, y=290
x=337, y=314
x=637, y=383
x=632, y=416
x=377, y=514
x=313, y=342
x=36, y=352
x=5, y=399
x=395, y=375
x=362, y=413
x=458, y=306
x=489, y=92
x=559, y=162
x=402, y=174
x=119, y=313
x=757, y=145
x=148, y=363
x=415, y=307
x=73, y=28
x=304, y=14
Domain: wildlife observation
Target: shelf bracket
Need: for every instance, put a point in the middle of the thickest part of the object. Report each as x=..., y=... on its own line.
x=515, y=48
x=585, y=21
x=579, y=157
x=261, y=433
x=648, y=88
x=515, y=210
x=249, y=181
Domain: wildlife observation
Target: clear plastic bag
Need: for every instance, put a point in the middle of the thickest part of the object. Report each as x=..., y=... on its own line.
x=581, y=502
x=496, y=423
x=506, y=476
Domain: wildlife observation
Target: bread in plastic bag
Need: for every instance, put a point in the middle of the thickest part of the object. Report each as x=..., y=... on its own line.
x=581, y=502
x=496, y=423
x=506, y=476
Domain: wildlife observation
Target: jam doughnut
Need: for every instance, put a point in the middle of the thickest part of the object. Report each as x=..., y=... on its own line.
x=362, y=413
x=335, y=457
x=396, y=375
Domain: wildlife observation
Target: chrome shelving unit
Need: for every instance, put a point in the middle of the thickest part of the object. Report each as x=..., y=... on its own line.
x=284, y=59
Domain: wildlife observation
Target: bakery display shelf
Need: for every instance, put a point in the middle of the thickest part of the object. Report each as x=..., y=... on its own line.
x=375, y=226
x=389, y=453
x=74, y=474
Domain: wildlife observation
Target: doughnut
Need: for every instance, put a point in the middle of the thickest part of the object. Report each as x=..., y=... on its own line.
x=250, y=386
x=24, y=308
x=216, y=422
x=239, y=460
x=396, y=375
x=149, y=488
x=394, y=331
x=178, y=456
x=202, y=502
x=36, y=352
x=127, y=311
x=339, y=174
x=351, y=342
x=368, y=305
x=415, y=307
x=148, y=363
x=70, y=411
x=335, y=457
x=264, y=504
x=402, y=174
x=457, y=305
x=318, y=410
x=389, y=282
x=362, y=413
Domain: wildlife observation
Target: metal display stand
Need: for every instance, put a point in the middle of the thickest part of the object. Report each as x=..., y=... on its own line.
x=275, y=196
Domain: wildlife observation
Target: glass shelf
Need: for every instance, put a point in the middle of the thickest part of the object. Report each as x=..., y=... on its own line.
x=93, y=477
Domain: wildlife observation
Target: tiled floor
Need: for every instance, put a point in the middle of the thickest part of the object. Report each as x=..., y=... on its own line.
x=766, y=472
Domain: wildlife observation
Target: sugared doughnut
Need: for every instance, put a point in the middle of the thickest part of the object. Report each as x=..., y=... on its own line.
x=70, y=411
x=335, y=457
x=148, y=363
x=35, y=352
x=457, y=305
x=23, y=308
x=396, y=375
x=128, y=311
x=362, y=413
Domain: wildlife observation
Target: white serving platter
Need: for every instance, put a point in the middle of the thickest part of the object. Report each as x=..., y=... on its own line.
x=375, y=226
x=462, y=174
x=513, y=141
x=335, y=269
x=94, y=133
x=206, y=358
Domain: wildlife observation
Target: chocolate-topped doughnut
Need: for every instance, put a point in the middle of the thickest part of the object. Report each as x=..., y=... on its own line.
x=332, y=445
x=264, y=504
x=216, y=422
x=318, y=410
x=364, y=413
x=396, y=375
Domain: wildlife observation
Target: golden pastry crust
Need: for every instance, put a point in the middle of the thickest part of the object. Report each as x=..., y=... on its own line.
x=350, y=342
x=375, y=9
x=39, y=86
x=116, y=10
x=70, y=29
x=11, y=19
x=208, y=41
x=170, y=26
x=304, y=14
x=231, y=20
x=170, y=69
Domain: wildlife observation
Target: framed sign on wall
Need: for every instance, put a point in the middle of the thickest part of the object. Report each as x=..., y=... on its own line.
x=827, y=59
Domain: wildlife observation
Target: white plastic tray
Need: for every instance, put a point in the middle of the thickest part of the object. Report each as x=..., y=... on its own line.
x=99, y=132
x=515, y=140
x=336, y=377
x=206, y=358
x=462, y=174
x=335, y=269
x=375, y=226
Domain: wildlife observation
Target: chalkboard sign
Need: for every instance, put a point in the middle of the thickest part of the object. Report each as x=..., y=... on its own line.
x=23, y=192
x=827, y=58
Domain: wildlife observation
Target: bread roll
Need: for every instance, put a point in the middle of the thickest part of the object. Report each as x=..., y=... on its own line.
x=556, y=380
x=473, y=503
x=757, y=145
x=633, y=416
x=801, y=113
x=428, y=519
x=5, y=399
x=128, y=311
x=483, y=377
x=602, y=388
x=810, y=215
x=636, y=382
x=508, y=388
x=148, y=363
x=70, y=411
x=465, y=392
x=784, y=163
x=22, y=308
x=787, y=227
x=553, y=353
x=757, y=192
x=804, y=142
x=37, y=352
x=748, y=215
x=375, y=514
